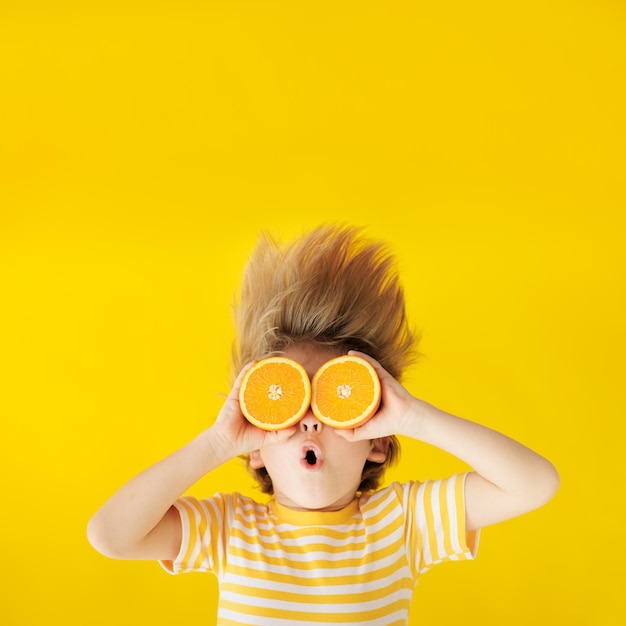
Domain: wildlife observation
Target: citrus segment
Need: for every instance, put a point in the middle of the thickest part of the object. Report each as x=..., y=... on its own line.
x=275, y=393
x=345, y=392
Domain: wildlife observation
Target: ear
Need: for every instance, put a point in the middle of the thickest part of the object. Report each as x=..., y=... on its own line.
x=378, y=453
x=256, y=462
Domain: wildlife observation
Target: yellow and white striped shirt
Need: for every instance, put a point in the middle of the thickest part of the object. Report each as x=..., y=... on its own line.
x=359, y=565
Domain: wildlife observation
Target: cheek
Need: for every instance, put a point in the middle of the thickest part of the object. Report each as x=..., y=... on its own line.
x=272, y=460
x=353, y=455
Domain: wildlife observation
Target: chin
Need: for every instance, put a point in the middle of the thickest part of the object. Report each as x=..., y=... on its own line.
x=318, y=504
x=321, y=502
x=316, y=493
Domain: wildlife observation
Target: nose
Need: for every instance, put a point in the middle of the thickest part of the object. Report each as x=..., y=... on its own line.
x=310, y=423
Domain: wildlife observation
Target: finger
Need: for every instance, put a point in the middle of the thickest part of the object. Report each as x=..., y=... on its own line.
x=380, y=370
x=234, y=391
x=231, y=404
x=242, y=373
x=350, y=434
x=285, y=434
x=363, y=355
x=279, y=436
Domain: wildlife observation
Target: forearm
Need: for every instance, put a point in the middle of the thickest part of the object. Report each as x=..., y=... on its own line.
x=503, y=461
x=515, y=479
x=126, y=520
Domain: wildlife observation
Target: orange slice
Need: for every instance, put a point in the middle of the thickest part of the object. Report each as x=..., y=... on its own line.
x=345, y=392
x=275, y=393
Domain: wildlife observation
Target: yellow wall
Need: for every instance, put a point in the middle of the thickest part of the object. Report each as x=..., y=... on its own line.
x=145, y=144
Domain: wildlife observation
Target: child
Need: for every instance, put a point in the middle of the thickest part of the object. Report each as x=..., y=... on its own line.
x=330, y=546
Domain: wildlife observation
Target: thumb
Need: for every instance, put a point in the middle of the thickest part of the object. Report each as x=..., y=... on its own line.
x=349, y=434
x=282, y=435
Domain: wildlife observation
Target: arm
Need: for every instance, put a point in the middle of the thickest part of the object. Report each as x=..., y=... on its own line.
x=139, y=520
x=508, y=478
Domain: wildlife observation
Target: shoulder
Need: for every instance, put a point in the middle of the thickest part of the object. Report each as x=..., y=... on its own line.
x=219, y=504
x=385, y=498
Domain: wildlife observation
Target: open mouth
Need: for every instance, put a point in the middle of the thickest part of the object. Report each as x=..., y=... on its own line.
x=311, y=457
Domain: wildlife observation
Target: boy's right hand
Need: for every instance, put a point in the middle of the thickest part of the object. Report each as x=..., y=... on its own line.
x=139, y=521
x=235, y=433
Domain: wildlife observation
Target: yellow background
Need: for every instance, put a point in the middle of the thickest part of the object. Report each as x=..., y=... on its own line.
x=143, y=145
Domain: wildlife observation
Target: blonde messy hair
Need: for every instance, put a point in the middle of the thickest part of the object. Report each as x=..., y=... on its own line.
x=333, y=287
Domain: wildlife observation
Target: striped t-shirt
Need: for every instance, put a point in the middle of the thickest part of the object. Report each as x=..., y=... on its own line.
x=277, y=566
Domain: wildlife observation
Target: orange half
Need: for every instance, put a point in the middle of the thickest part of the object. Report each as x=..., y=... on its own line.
x=275, y=393
x=345, y=392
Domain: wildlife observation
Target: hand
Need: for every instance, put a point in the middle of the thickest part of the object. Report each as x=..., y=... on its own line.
x=397, y=406
x=236, y=433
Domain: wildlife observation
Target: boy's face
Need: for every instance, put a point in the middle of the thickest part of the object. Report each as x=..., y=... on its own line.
x=316, y=469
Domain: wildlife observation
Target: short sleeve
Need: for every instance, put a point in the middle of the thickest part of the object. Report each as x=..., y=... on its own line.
x=435, y=518
x=204, y=534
